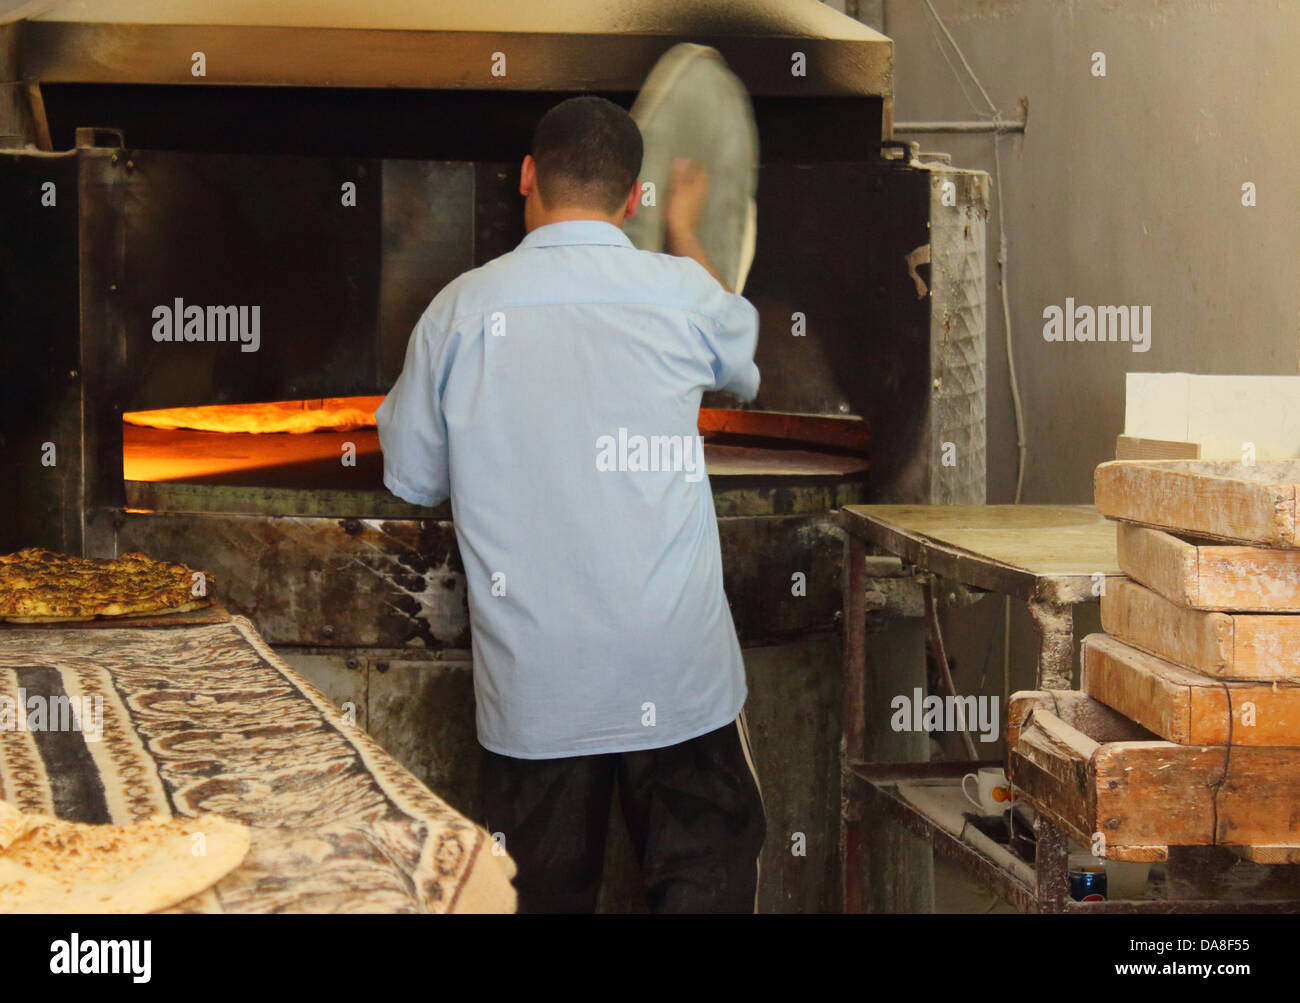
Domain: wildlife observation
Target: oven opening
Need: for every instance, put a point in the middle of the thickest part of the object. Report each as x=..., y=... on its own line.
x=327, y=442
x=322, y=456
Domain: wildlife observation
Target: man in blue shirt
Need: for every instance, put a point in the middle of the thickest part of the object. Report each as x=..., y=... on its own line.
x=553, y=395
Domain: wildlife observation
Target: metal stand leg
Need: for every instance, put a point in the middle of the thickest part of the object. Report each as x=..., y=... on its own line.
x=853, y=894
x=1055, y=626
x=884, y=867
x=1052, y=866
x=941, y=656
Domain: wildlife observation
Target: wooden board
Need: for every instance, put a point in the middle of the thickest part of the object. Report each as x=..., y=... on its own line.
x=1252, y=646
x=1128, y=447
x=216, y=613
x=1220, y=499
x=1145, y=796
x=1210, y=576
x=1187, y=707
x=1048, y=552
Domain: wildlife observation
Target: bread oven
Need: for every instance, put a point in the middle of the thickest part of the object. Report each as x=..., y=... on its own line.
x=237, y=204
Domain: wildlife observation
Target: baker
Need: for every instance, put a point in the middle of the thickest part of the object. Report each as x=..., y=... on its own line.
x=604, y=651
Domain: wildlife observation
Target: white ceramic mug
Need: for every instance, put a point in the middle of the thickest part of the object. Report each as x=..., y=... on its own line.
x=995, y=791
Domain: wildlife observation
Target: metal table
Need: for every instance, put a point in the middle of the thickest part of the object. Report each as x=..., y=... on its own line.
x=1050, y=556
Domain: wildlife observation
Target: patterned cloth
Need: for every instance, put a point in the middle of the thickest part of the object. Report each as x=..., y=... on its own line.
x=208, y=719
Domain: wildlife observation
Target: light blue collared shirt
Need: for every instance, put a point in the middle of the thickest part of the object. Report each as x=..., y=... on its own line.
x=553, y=394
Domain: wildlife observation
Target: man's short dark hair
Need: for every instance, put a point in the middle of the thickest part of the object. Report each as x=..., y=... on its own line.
x=588, y=154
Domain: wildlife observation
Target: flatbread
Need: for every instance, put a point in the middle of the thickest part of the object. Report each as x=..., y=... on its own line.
x=188, y=607
x=48, y=865
x=13, y=824
x=42, y=586
x=693, y=106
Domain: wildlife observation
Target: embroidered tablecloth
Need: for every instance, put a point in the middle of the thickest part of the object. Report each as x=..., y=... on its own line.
x=207, y=718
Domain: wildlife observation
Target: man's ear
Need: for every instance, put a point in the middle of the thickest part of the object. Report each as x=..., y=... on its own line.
x=527, y=176
x=633, y=200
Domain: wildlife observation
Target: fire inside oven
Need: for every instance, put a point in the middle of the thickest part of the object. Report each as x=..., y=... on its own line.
x=332, y=443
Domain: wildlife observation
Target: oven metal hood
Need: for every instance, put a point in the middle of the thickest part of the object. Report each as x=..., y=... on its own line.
x=573, y=45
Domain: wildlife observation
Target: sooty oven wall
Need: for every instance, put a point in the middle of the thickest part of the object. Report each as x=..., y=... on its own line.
x=40, y=382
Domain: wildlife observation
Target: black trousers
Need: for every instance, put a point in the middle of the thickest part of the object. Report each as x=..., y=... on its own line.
x=694, y=810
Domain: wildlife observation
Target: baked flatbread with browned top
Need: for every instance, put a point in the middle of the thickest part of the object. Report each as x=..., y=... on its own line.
x=41, y=586
x=48, y=865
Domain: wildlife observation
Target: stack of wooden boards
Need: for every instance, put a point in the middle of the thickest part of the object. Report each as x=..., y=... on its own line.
x=1187, y=729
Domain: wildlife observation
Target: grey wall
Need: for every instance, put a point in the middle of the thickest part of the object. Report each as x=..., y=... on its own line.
x=1124, y=190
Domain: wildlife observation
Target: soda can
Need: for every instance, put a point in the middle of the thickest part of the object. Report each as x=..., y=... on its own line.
x=1088, y=884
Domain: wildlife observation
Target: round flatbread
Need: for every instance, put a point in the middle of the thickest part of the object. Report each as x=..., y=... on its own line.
x=693, y=106
x=48, y=865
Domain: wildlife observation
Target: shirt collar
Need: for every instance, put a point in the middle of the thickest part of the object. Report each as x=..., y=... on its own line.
x=576, y=231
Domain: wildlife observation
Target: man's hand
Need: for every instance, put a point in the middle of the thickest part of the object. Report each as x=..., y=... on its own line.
x=688, y=187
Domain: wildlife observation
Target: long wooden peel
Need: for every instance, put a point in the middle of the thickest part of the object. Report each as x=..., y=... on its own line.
x=1251, y=646
x=1221, y=499
x=1187, y=707
x=1210, y=576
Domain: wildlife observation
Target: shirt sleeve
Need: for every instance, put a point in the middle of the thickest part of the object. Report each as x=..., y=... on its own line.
x=412, y=429
x=732, y=337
